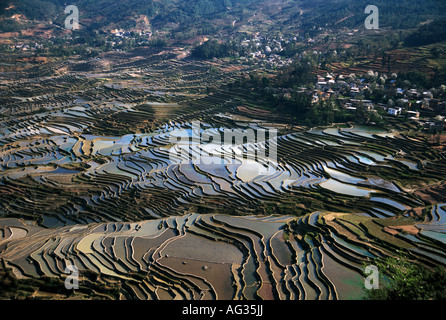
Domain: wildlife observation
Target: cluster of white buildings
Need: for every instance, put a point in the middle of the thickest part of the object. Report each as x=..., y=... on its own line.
x=409, y=103
x=26, y=47
x=127, y=34
x=266, y=51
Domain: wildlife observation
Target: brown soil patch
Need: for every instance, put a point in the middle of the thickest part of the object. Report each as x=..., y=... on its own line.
x=433, y=193
x=34, y=59
x=266, y=291
x=215, y=273
x=437, y=142
x=390, y=230
x=416, y=212
x=409, y=229
x=8, y=35
x=254, y=111
x=332, y=216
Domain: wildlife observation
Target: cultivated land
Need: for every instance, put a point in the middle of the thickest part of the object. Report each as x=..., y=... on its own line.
x=87, y=177
x=87, y=180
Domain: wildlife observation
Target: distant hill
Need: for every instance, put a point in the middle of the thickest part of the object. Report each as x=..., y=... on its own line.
x=350, y=13
x=32, y=9
x=428, y=34
x=104, y=12
x=162, y=14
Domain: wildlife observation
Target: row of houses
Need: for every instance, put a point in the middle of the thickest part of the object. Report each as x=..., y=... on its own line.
x=408, y=102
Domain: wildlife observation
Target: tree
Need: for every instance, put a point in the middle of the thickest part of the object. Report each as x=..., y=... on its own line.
x=390, y=103
x=402, y=279
x=361, y=115
x=212, y=49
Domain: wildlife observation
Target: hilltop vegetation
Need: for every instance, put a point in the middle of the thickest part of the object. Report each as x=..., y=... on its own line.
x=310, y=16
x=350, y=13
x=43, y=10
x=402, y=279
x=428, y=34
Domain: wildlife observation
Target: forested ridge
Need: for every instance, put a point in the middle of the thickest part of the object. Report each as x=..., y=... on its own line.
x=308, y=14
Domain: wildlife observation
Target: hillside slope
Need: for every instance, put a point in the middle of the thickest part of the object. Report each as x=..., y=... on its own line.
x=310, y=14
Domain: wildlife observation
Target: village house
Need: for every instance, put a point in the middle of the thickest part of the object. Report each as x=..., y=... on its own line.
x=413, y=115
x=414, y=93
x=395, y=111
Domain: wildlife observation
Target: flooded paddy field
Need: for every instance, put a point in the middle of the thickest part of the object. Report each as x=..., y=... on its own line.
x=216, y=256
x=126, y=175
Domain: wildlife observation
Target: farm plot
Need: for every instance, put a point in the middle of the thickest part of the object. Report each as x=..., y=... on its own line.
x=101, y=176
x=317, y=256
x=126, y=175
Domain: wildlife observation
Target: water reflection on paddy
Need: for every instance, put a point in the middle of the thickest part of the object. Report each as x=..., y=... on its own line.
x=368, y=131
x=341, y=176
x=411, y=164
x=389, y=202
x=339, y=187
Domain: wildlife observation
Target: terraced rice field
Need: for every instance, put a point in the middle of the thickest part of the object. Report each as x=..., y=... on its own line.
x=199, y=256
x=100, y=179
x=182, y=255
x=110, y=170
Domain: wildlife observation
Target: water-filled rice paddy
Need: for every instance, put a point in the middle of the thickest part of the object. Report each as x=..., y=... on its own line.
x=148, y=162
x=344, y=188
x=182, y=225
x=216, y=256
